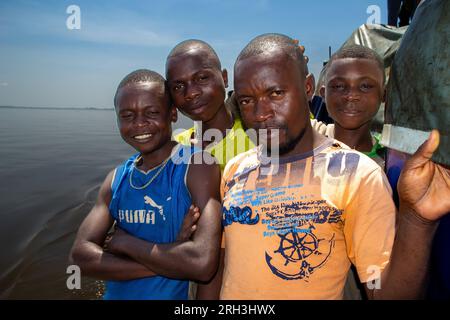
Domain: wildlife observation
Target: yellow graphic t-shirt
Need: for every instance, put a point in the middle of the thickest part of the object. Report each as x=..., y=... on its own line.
x=292, y=229
x=235, y=142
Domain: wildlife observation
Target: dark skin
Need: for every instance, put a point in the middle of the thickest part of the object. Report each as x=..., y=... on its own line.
x=89, y=253
x=141, y=112
x=196, y=259
x=424, y=192
x=266, y=94
x=269, y=97
x=195, y=79
x=197, y=87
x=144, y=119
x=354, y=90
x=424, y=187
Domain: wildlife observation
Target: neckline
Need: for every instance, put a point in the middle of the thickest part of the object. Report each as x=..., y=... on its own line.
x=175, y=149
x=194, y=130
x=376, y=146
x=296, y=157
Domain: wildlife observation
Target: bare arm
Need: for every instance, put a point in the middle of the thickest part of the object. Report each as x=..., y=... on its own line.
x=211, y=290
x=424, y=190
x=87, y=251
x=405, y=276
x=196, y=259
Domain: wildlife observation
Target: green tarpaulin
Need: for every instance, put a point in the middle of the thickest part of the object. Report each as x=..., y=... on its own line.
x=418, y=92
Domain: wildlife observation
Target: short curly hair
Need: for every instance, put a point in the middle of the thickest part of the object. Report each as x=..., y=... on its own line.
x=140, y=76
x=270, y=41
x=358, y=52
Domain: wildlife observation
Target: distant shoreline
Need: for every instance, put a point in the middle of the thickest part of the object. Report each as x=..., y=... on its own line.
x=57, y=108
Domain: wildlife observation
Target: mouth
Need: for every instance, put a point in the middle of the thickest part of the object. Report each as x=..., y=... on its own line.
x=270, y=134
x=197, y=107
x=143, y=137
x=271, y=127
x=351, y=112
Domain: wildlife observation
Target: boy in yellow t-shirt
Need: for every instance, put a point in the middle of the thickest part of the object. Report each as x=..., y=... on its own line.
x=197, y=86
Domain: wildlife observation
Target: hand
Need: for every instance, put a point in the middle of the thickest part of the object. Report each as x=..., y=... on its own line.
x=189, y=224
x=424, y=186
x=302, y=50
x=114, y=242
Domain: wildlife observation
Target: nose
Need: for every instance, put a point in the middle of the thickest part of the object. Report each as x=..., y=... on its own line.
x=141, y=121
x=191, y=93
x=352, y=94
x=263, y=110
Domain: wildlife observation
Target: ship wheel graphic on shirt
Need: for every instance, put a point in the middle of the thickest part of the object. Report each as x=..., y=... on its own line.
x=299, y=254
x=296, y=246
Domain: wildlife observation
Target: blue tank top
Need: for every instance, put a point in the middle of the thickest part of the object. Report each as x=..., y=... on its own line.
x=153, y=212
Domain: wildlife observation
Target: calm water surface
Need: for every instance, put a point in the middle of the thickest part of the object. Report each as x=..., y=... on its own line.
x=52, y=163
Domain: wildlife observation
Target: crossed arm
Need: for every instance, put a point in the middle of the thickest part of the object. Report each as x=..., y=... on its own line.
x=195, y=259
x=87, y=251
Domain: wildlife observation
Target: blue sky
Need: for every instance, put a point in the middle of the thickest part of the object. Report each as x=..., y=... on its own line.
x=44, y=64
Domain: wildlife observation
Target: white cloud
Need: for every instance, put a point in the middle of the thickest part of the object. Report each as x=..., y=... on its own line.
x=4, y=84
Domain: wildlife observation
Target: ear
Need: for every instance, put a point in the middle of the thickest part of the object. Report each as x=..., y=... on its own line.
x=225, y=77
x=173, y=114
x=322, y=92
x=310, y=86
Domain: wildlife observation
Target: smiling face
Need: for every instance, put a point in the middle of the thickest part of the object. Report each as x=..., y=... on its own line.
x=271, y=91
x=196, y=84
x=144, y=116
x=353, y=91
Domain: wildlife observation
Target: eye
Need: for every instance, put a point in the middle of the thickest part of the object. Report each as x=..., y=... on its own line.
x=202, y=78
x=177, y=87
x=338, y=86
x=366, y=87
x=244, y=101
x=126, y=116
x=152, y=113
x=276, y=93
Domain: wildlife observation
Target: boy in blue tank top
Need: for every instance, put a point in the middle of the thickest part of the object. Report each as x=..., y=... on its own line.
x=147, y=197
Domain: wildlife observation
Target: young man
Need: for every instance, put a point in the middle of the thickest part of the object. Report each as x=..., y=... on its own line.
x=197, y=85
x=148, y=197
x=354, y=89
x=326, y=207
